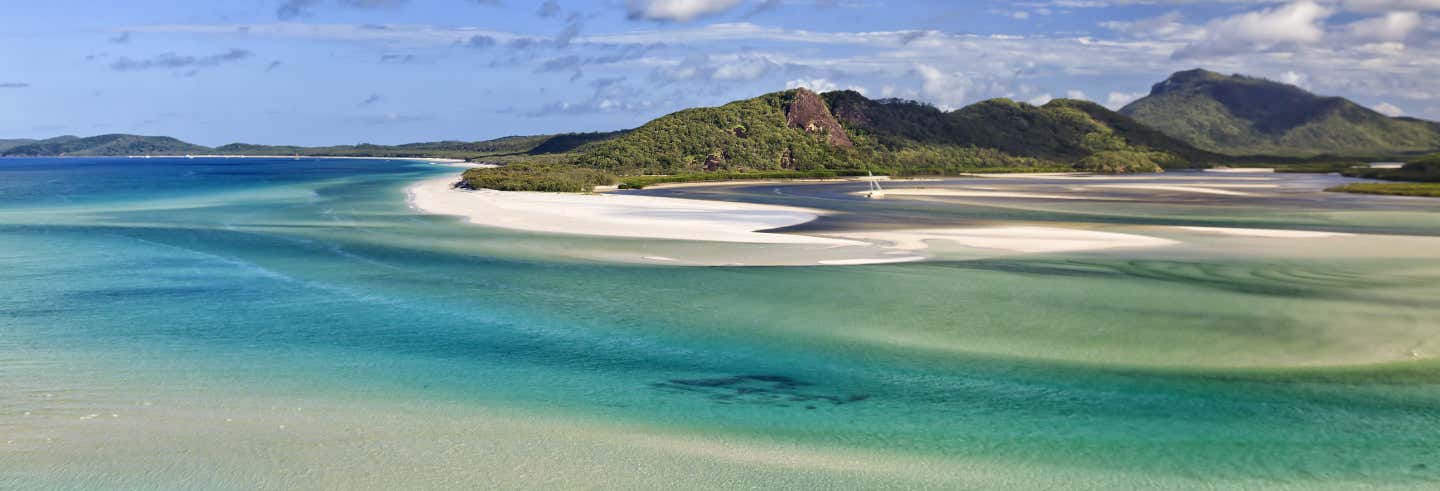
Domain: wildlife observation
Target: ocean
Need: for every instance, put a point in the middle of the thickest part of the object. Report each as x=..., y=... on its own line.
x=281, y=324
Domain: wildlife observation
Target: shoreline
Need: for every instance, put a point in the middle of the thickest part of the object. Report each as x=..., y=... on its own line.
x=281, y=157
x=747, y=182
x=617, y=215
x=722, y=222
x=683, y=225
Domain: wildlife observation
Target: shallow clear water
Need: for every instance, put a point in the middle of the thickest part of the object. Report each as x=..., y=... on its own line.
x=278, y=324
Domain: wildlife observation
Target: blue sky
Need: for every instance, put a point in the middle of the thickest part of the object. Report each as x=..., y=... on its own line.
x=316, y=72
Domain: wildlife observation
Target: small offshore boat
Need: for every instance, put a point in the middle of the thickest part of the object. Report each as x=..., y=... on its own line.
x=875, y=192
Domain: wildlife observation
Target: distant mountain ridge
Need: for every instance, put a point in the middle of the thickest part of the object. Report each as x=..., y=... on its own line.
x=1240, y=115
x=119, y=145
x=104, y=145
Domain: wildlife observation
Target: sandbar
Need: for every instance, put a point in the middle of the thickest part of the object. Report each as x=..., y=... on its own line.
x=1021, y=239
x=616, y=215
x=1267, y=233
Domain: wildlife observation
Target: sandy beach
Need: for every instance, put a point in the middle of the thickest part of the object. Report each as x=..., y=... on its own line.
x=1266, y=233
x=1173, y=188
x=1018, y=239
x=613, y=215
x=647, y=217
x=978, y=193
x=681, y=220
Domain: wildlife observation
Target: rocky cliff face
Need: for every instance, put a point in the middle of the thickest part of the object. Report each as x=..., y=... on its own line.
x=808, y=111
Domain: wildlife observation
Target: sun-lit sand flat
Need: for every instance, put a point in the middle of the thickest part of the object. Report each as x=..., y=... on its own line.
x=966, y=193
x=1243, y=170
x=851, y=262
x=1031, y=175
x=1024, y=239
x=1174, y=188
x=617, y=215
x=1077, y=176
x=1267, y=233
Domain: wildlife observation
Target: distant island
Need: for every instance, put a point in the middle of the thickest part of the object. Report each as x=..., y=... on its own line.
x=499, y=150
x=1193, y=119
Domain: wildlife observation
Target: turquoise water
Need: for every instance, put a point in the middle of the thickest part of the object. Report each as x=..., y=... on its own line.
x=240, y=324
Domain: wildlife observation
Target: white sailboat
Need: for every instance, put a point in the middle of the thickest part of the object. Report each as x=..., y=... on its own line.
x=875, y=192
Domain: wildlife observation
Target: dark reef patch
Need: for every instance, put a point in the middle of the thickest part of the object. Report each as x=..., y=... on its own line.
x=771, y=390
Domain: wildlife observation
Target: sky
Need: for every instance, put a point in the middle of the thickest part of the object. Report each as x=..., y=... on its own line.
x=322, y=72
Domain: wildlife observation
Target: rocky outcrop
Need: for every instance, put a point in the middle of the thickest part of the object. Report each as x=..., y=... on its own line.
x=808, y=111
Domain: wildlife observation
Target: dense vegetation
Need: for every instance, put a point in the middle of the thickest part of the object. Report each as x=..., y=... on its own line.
x=742, y=136
x=1241, y=115
x=901, y=137
x=537, y=177
x=1425, y=189
x=1062, y=130
x=641, y=182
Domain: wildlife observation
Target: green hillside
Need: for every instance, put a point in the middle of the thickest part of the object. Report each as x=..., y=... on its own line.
x=6, y=144
x=1239, y=115
x=798, y=130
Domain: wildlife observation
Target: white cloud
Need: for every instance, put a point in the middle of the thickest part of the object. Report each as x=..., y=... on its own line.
x=677, y=10
x=1393, y=26
x=1167, y=26
x=1294, y=78
x=948, y=90
x=745, y=68
x=821, y=85
x=1117, y=100
x=1076, y=94
x=815, y=85
x=1389, y=109
x=1391, y=5
x=947, y=69
x=1300, y=22
x=1041, y=99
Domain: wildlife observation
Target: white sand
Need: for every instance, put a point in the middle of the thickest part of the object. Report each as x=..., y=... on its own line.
x=1267, y=233
x=977, y=193
x=1024, y=239
x=1170, y=187
x=617, y=215
x=848, y=262
x=1244, y=170
x=1030, y=175
x=1120, y=177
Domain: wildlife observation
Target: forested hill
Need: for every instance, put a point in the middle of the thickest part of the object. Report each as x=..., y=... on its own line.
x=1240, y=115
x=800, y=130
